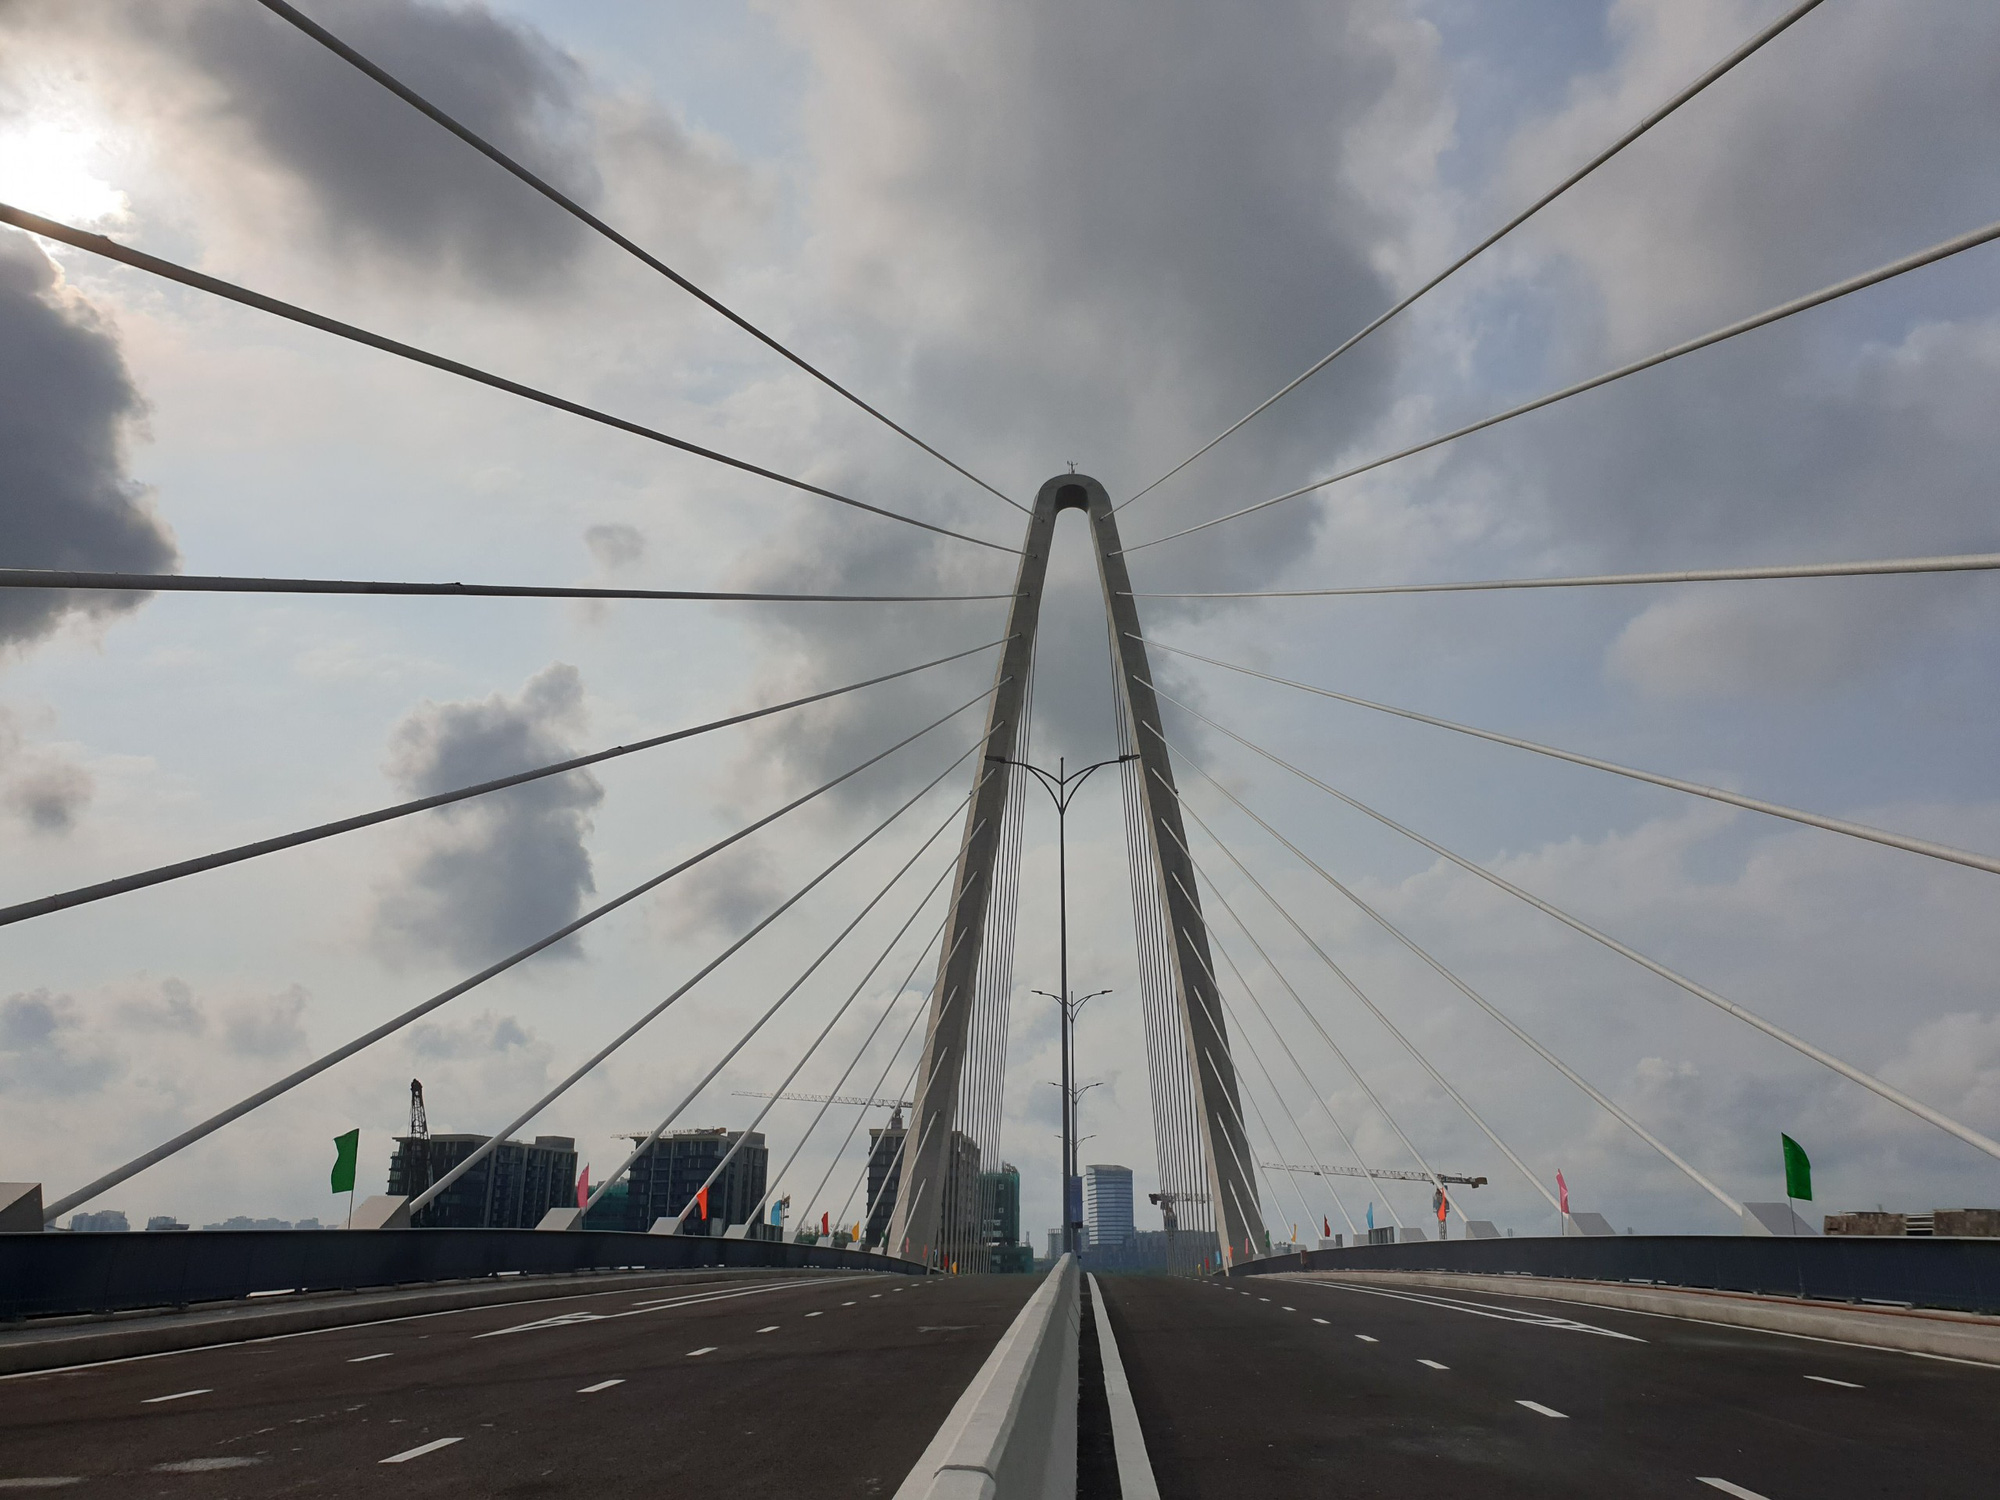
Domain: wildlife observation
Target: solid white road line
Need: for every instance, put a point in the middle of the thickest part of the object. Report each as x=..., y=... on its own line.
x=362, y=1359
x=1488, y=1310
x=1547, y=1411
x=602, y=1385
x=41, y=1482
x=177, y=1396
x=1128, y=1442
x=1729, y=1489
x=704, y=1349
x=1846, y=1385
x=1433, y=1364
x=420, y=1450
x=1366, y=1339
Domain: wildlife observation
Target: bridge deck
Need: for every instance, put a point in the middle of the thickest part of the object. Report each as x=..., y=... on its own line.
x=822, y=1383
x=1272, y=1385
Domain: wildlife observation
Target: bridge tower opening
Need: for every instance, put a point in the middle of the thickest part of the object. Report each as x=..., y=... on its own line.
x=1203, y=1152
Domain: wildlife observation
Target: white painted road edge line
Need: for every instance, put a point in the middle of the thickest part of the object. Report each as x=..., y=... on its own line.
x=1128, y=1442
x=419, y=1451
x=602, y=1385
x=177, y=1395
x=1729, y=1489
x=362, y=1359
x=1547, y=1411
x=1846, y=1385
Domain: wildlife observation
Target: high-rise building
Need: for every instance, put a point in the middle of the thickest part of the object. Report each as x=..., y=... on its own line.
x=666, y=1176
x=1107, y=1205
x=885, y=1168
x=510, y=1188
x=1000, y=1205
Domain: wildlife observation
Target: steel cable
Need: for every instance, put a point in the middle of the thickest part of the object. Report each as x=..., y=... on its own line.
x=110, y=249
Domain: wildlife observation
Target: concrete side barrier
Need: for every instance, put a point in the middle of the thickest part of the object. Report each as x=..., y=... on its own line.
x=1012, y=1435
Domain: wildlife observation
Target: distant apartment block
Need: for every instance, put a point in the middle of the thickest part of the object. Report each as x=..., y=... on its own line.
x=511, y=1188
x=105, y=1221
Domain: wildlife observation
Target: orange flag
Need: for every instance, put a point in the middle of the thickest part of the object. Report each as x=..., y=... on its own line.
x=701, y=1202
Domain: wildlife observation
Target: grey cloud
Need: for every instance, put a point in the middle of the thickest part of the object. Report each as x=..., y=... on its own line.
x=66, y=405
x=40, y=1051
x=172, y=1009
x=490, y=875
x=267, y=1028
x=379, y=180
x=273, y=138
x=480, y=1037
x=615, y=545
x=727, y=895
x=1093, y=234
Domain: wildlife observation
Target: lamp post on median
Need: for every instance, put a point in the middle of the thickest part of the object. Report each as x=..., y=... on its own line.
x=1062, y=785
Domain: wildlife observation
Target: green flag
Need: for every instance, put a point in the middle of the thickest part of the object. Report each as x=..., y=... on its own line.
x=1798, y=1170
x=347, y=1147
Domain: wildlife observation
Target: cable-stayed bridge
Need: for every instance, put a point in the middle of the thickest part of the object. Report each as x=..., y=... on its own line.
x=859, y=1328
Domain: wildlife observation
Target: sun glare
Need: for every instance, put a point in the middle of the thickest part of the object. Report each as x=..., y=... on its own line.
x=45, y=168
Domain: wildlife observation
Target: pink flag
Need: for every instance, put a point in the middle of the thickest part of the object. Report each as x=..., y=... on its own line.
x=583, y=1189
x=1562, y=1192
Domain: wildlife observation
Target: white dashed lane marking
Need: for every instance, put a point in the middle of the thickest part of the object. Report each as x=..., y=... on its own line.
x=1729, y=1489
x=177, y=1396
x=772, y=1329
x=1433, y=1364
x=1322, y=1322
x=1547, y=1411
x=602, y=1385
x=362, y=1359
x=812, y=1315
x=1846, y=1385
x=1366, y=1339
x=1291, y=1309
x=420, y=1450
x=704, y=1349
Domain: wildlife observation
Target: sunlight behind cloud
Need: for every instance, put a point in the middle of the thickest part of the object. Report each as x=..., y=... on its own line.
x=45, y=167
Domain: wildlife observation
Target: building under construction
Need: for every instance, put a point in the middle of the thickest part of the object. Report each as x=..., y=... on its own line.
x=512, y=1188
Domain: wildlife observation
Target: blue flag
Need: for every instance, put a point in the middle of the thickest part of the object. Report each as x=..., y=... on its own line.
x=1371, y=1216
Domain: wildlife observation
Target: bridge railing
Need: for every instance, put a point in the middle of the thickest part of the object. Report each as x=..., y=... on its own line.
x=43, y=1275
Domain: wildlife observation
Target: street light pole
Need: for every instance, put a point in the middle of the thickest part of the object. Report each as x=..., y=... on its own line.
x=1062, y=785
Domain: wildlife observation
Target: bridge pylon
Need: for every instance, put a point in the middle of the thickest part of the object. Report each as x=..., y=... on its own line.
x=1192, y=1023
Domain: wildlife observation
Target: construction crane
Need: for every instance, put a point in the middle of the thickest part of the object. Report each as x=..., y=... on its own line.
x=1281, y=1166
x=417, y=1147
x=831, y=1099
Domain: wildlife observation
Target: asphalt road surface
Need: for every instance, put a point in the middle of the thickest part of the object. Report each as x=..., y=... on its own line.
x=1276, y=1386
x=821, y=1383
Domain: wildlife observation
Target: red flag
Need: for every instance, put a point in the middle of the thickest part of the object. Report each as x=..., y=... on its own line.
x=824, y=1226
x=1444, y=1204
x=1562, y=1192
x=583, y=1189
x=701, y=1201
x=1326, y=1226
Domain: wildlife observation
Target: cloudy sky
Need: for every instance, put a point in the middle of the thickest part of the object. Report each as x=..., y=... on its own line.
x=1038, y=234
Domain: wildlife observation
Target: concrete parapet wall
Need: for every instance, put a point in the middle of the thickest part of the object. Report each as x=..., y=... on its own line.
x=1962, y=1275
x=1012, y=1434
x=57, y=1275
x=1966, y=1336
